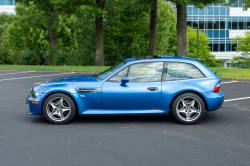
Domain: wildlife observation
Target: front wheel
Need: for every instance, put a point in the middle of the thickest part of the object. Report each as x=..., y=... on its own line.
x=188, y=108
x=59, y=108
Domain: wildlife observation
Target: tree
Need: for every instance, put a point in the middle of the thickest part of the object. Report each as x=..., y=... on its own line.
x=99, y=58
x=181, y=6
x=127, y=32
x=153, y=27
x=244, y=47
x=204, y=50
x=26, y=41
x=51, y=9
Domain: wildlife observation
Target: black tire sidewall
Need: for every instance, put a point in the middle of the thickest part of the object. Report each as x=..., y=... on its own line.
x=176, y=100
x=69, y=99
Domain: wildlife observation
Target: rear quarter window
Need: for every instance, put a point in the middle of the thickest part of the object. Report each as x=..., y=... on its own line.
x=181, y=71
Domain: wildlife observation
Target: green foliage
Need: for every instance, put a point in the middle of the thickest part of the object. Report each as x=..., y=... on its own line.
x=29, y=31
x=199, y=3
x=204, y=50
x=242, y=61
x=127, y=29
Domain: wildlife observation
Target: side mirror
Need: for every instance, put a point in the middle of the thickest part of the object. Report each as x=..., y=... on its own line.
x=124, y=81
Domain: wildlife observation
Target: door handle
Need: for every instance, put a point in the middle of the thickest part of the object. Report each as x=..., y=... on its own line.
x=152, y=88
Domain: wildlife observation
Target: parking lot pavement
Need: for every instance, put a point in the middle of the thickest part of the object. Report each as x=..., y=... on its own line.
x=221, y=138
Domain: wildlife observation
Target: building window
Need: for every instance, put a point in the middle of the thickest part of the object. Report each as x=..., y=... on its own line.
x=195, y=11
x=241, y=4
x=248, y=25
x=229, y=64
x=189, y=23
x=235, y=4
x=216, y=11
x=195, y=24
x=222, y=11
x=216, y=47
x=234, y=47
x=210, y=34
x=216, y=24
x=234, y=25
x=201, y=24
x=222, y=34
x=222, y=25
x=210, y=25
x=222, y=47
x=6, y=2
x=211, y=47
x=203, y=11
x=216, y=34
x=189, y=11
x=210, y=11
x=10, y=2
x=228, y=47
x=241, y=25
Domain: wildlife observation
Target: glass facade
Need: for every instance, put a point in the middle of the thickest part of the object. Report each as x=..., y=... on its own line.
x=215, y=21
x=7, y=2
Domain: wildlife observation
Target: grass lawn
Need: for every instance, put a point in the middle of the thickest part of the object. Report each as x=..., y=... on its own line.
x=221, y=72
x=232, y=73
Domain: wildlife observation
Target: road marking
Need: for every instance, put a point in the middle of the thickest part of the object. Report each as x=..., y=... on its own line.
x=38, y=83
x=18, y=73
x=228, y=82
x=36, y=76
x=237, y=99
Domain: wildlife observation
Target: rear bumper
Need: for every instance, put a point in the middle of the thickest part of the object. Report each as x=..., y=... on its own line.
x=214, y=100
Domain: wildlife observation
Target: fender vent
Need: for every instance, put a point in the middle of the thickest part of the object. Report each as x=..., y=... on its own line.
x=86, y=90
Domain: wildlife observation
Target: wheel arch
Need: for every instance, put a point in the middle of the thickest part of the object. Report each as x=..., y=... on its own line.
x=66, y=93
x=189, y=91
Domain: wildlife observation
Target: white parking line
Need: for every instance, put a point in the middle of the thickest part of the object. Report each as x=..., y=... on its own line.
x=228, y=82
x=38, y=83
x=237, y=99
x=17, y=73
x=36, y=76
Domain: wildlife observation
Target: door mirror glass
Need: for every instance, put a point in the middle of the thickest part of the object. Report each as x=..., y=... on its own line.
x=124, y=81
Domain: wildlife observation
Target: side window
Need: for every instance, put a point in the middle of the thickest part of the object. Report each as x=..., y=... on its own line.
x=181, y=71
x=119, y=76
x=146, y=72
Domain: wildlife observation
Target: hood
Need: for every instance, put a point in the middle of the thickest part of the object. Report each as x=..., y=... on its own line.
x=81, y=78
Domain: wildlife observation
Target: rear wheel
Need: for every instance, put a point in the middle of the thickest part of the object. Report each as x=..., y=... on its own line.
x=188, y=108
x=59, y=108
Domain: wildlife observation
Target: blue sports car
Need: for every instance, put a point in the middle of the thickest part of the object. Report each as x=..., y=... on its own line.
x=150, y=85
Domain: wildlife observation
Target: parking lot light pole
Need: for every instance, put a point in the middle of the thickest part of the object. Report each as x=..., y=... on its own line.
x=197, y=41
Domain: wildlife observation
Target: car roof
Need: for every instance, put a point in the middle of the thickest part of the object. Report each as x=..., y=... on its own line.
x=152, y=58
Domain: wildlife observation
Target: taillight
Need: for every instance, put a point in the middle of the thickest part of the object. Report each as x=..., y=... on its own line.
x=216, y=88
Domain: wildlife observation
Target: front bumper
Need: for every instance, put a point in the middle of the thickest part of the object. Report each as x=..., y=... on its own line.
x=35, y=104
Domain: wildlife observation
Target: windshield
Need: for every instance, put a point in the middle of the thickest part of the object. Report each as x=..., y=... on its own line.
x=106, y=73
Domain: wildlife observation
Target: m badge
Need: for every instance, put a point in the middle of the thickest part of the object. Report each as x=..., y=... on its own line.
x=82, y=95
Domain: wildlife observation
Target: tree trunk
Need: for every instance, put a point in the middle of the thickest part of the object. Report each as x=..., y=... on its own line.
x=52, y=30
x=99, y=54
x=153, y=28
x=181, y=30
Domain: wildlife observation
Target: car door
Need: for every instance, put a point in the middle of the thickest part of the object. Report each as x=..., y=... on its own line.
x=141, y=92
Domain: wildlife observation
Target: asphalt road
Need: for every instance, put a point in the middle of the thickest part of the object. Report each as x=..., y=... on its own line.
x=221, y=138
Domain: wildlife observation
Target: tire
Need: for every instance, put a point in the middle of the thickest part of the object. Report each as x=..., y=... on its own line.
x=188, y=108
x=59, y=108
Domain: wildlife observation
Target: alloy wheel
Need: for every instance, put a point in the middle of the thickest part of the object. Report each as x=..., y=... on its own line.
x=188, y=108
x=58, y=109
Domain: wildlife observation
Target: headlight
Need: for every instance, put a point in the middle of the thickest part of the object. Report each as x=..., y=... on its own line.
x=34, y=94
